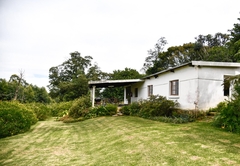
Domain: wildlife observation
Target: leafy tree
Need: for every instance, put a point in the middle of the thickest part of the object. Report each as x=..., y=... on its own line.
x=29, y=94
x=94, y=73
x=6, y=92
x=26, y=93
x=68, y=81
x=18, y=82
x=152, y=61
x=207, y=48
x=40, y=94
x=234, y=44
x=213, y=48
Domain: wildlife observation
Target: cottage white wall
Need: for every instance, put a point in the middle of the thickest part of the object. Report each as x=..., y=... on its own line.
x=199, y=87
x=187, y=77
x=210, y=85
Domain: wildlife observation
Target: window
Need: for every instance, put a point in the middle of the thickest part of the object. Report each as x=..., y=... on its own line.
x=136, y=92
x=226, y=86
x=174, y=87
x=150, y=90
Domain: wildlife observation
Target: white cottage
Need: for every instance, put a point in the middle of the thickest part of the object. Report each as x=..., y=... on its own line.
x=197, y=84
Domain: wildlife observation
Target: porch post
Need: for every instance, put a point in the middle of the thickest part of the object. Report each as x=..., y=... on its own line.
x=125, y=101
x=93, y=95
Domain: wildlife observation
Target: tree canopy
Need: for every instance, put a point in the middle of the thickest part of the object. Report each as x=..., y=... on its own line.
x=69, y=80
x=18, y=89
x=219, y=47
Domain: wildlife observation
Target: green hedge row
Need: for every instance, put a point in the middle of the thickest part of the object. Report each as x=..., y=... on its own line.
x=154, y=106
x=160, y=109
x=228, y=115
x=15, y=118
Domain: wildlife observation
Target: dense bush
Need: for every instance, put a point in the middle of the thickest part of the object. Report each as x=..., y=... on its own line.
x=15, y=118
x=108, y=110
x=41, y=110
x=60, y=109
x=219, y=107
x=80, y=107
x=157, y=106
x=228, y=116
x=131, y=109
x=154, y=106
x=160, y=109
x=111, y=109
x=125, y=110
x=228, y=113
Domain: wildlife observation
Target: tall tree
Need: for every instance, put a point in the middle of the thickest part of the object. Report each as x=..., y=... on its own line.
x=153, y=57
x=26, y=93
x=19, y=83
x=212, y=48
x=234, y=44
x=94, y=73
x=207, y=48
x=68, y=81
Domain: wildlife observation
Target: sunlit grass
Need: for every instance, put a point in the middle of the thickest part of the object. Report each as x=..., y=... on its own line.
x=121, y=141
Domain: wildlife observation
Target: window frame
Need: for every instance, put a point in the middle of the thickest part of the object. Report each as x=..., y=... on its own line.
x=226, y=86
x=174, y=88
x=150, y=90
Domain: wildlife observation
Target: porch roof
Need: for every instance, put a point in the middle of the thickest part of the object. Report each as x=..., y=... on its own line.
x=113, y=83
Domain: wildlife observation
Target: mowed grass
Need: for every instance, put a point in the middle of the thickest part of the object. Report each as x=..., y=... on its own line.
x=121, y=141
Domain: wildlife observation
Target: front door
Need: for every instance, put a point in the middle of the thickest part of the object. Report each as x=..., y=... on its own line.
x=128, y=94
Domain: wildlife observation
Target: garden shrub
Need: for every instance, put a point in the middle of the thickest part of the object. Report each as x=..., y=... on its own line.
x=111, y=109
x=15, y=118
x=134, y=108
x=100, y=111
x=228, y=116
x=60, y=109
x=80, y=107
x=157, y=106
x=125, y=110
x=219, y=107
x=160, y=109
x=41, y=110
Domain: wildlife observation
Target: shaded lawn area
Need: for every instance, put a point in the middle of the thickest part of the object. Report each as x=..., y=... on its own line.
x=121, y=141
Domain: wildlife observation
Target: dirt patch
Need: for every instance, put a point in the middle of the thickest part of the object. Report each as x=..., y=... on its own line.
x=58, y=151
x=194, y=158
x=170, y=143
x=204, y=146
x=236, y=145
x=228, y=161
x=185, y=128
x=224, y=140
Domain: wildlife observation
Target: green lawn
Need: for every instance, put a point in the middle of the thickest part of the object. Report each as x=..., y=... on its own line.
x=121, y=141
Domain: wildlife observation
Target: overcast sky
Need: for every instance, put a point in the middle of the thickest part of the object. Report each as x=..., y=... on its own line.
x=36, y=35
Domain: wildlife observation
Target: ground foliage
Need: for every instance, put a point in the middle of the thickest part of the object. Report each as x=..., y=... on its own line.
x=15, y=118
x=160, y=109
x=42, y=111
x=80, y=107
x=228, y=112
x=124, y=140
